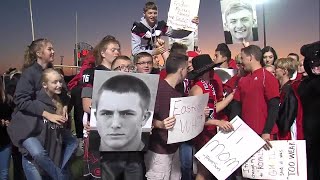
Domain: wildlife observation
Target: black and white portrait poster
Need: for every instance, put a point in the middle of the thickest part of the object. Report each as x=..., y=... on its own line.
x=122, y=109
x=239, y=19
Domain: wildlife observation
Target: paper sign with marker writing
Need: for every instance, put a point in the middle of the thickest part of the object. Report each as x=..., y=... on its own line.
x=286, y=160
x=181, y=13
x=225, y=152
x=190, y=118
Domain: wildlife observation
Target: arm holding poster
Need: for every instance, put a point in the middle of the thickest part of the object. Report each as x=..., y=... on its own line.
x=225, y=152
x=167, y=123
x=224, y=125
x=181, y=13
x=183, y=23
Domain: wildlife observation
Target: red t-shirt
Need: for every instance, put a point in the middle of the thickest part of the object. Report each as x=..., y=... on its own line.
x=163, y=74
x=299, y=77
x=231, y=84
x=254, y=91
x=232, y=64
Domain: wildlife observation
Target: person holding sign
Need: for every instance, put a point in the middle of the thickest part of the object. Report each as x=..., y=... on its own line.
x=120, y=123
x=145, y=35
x=203, y=78
x=159, y=158
x=256, y=98
x=104, y=53
x=240, y=23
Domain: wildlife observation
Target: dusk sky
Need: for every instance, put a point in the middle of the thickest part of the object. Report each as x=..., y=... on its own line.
x=289, y=25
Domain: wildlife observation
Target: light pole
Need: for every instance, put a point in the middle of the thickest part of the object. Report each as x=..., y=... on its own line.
x=264, y=26
x=262, y=2
x=31, y=19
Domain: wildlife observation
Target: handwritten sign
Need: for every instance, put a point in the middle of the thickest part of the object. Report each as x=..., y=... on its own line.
x=286, y=160
x=190, y=118
x=181, y=13
x=225, y=152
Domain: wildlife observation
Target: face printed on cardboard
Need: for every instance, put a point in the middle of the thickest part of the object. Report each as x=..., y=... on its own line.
x=119, y=122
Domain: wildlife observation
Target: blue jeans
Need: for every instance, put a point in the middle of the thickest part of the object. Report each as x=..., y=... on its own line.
x=41, y=158
x=70, y=142
x=5, y=154
x=30, y=170
x=186, y=155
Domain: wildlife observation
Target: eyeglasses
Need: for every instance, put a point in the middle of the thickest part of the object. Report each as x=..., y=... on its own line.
x=125, y=68
x=147, y=63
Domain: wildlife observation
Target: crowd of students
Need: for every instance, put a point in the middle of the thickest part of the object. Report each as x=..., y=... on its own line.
x=277, y=97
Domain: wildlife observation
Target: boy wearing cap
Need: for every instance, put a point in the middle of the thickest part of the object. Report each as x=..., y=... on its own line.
x=256, y=98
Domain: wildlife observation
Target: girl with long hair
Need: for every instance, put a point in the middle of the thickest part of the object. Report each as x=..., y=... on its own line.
x=24, y=127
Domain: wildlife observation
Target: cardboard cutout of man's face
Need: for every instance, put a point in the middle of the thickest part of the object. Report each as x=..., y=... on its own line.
x=120, y=122
x=240, y=25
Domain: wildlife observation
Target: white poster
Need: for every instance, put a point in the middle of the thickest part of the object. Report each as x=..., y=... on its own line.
x=286, y=160
x=181, y=13
x=239, y=20
x=225, y=74
x=122, y=109
x=226, y=152
x=190, y=118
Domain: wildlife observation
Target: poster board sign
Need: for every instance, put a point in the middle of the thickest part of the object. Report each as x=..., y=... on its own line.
x=122, y=109
x=151, y=80
x=181, y=13
x=190, y=118
x=285, y=161
x=225, y=152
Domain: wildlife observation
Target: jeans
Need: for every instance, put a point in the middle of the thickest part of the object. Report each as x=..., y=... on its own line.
x=71, y=145
x=42, y=159
x=30, y=170
x=186, y=160
x=18, y=173
x=5, y=154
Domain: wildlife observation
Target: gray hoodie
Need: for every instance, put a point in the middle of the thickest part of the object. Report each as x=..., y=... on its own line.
x=143, y=36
